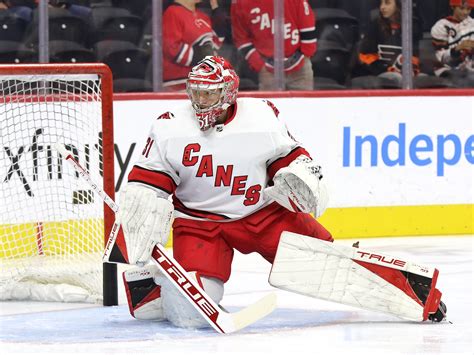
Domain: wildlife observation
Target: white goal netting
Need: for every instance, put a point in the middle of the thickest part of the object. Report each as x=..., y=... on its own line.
x=51, y=224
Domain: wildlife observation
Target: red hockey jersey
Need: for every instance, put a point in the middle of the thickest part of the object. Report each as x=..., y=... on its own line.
x=183, y=32
x=253, y=29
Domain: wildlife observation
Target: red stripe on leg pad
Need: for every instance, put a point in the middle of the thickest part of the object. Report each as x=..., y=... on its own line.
x=392, y=276
x=434, y=297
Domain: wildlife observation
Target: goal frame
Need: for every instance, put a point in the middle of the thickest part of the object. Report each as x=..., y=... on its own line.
x=110, y=293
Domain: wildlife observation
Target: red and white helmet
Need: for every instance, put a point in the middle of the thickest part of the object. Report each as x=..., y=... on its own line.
x=213, y=78
x=469, y=3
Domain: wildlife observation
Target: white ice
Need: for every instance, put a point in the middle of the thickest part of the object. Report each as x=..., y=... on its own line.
x=299, y=325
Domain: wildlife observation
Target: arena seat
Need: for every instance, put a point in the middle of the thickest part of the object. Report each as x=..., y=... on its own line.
x=12, y=28
x=124, y=58
x=360, y=9
x=141, y=8
x=366, y=82
x=431, y=82
x=371, y=82
x=63, y=26
x=323, y=83
x=427, y=54
x=86, y=3
x=146, y=38
x=16, y=52
x=431, y=11
x=115, y=24
x=332, y=60
x=322, y=3
x=337, y=26
x=69, y=52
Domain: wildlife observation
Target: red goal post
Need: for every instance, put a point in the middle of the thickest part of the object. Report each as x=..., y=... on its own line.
x=52, y=229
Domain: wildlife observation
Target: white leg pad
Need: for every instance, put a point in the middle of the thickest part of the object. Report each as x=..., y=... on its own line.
x=179, y=311
x=355, y=277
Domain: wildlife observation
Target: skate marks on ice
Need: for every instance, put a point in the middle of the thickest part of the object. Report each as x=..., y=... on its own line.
x=103, y=324
x=111, y=330
x=299, y=324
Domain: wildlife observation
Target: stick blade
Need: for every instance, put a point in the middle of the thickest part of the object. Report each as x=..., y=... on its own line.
x=251, y=314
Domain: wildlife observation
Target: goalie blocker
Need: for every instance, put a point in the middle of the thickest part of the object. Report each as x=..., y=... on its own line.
x=357, y=277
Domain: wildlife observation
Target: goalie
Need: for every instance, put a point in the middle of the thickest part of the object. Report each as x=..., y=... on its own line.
x=237, y=180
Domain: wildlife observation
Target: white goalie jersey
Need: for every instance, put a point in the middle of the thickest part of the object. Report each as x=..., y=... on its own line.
x=447, y=34
x=218, y=174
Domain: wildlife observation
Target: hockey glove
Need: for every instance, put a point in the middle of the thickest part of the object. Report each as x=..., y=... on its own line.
x=146, y=221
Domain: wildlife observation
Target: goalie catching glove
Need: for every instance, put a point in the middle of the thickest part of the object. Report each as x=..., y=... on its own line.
x=146, y=216
x=299, y=187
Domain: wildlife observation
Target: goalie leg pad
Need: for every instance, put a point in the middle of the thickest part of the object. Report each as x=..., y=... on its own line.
x=144, y=293
x=179, y=311
x=355, y=277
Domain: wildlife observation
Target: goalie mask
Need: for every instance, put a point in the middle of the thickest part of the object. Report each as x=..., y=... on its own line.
x=212, y=87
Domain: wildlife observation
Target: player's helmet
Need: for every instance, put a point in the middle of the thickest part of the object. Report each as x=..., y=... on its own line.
x=212, y=87
x=469, y=3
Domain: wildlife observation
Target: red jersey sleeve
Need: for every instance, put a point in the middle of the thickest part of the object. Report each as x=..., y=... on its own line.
x=174, y=47
x=242, y=37
x=307, y=28
x=187, y=36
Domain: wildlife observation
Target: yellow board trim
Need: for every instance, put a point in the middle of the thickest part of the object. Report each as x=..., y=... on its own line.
x=396, y=221
x=391, y=221
x=353, y=222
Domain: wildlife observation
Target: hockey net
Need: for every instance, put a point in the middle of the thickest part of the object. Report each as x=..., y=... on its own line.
x=52, y=228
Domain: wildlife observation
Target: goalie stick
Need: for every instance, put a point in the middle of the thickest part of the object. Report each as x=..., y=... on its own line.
x=220, y=320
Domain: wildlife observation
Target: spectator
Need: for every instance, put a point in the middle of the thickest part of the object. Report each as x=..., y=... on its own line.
x=252, y=28
x=76, y=10
x=453, y=39
x=381, y=50
x=188, y=36
x=21, y=8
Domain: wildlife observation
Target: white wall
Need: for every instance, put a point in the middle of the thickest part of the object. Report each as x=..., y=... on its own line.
x=422, y=153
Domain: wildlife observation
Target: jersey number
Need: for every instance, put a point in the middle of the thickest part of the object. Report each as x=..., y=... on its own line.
x=146, y=150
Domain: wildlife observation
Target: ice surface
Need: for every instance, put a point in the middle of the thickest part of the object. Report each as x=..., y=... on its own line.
x=300, y=325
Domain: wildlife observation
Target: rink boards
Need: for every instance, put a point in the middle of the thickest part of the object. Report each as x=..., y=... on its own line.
x=395, y=165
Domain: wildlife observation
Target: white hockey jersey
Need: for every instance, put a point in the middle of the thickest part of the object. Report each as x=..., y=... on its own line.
x=447, y=33
x=217, y=174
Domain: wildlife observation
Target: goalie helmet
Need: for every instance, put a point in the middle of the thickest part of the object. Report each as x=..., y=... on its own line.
x=212, y=87
x=469, y=3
